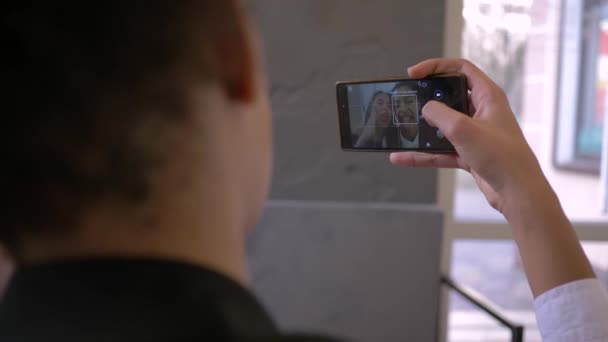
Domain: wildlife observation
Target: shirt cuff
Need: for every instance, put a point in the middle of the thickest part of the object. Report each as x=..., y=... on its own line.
x=576, y=311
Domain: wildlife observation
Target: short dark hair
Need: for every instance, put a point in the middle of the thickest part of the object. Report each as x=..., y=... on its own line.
x=407, y=85
x=86, y=83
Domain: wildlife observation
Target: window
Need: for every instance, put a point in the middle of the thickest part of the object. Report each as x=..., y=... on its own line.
x=494, y=269
x=495, y=36
x=583, y=93
x=535, y=50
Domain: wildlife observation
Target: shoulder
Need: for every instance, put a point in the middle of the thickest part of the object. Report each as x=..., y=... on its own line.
x=286, y=338
x=296, y=338
x=282, y=338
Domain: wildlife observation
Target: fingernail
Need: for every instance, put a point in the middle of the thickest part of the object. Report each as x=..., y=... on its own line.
x=427, y=107
x=392, y=158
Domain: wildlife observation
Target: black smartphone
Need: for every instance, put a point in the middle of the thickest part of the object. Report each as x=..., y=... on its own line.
x=385, y=115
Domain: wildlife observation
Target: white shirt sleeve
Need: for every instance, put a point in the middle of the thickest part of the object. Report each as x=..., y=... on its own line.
x=574, y=312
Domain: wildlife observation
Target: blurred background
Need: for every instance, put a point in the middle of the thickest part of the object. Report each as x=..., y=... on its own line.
x=352, y=246
x=551, y=57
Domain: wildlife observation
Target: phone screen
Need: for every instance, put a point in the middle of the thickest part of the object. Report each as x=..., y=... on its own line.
x=385, y=115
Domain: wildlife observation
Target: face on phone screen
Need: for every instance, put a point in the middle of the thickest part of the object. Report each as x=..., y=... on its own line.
x=386, y=115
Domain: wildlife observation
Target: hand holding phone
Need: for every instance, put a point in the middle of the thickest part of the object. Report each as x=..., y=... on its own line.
x=492, y=147
x=490, y=144
x=385, y=115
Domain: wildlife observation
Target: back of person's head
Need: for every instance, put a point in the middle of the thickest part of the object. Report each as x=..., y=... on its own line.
x=92, y=90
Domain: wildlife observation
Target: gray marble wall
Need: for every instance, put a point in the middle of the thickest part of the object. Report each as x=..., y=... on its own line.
x=365, y=272
x=312, y=44
x=349, y=244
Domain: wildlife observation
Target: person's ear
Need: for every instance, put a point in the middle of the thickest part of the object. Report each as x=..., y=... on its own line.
x=237, y=65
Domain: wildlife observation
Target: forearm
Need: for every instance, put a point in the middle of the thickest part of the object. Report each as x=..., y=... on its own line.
x=549, y=248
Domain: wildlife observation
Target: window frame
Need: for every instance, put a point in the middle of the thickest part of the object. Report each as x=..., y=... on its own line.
x=456, y=229
x=574, y=50
x=604, y=171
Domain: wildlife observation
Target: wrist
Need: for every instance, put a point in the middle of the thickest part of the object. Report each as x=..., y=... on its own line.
x=532, y=196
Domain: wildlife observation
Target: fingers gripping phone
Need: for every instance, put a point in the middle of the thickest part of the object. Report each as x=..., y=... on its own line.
x=385, y=115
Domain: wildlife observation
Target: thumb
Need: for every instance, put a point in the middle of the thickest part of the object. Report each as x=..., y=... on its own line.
x=456, y=126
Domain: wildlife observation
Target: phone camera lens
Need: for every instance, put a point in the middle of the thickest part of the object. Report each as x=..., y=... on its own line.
x=424, y=84
x=438, y=94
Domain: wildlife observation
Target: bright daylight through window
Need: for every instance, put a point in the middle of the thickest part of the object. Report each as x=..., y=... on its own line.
x=551, y=57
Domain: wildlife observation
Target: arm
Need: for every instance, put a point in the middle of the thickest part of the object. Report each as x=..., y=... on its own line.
x=492, y=147
x=571, y=304
x=548, y=245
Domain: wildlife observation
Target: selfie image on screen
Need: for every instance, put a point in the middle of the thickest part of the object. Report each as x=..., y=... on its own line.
x=387, y=115
x=384, y=115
